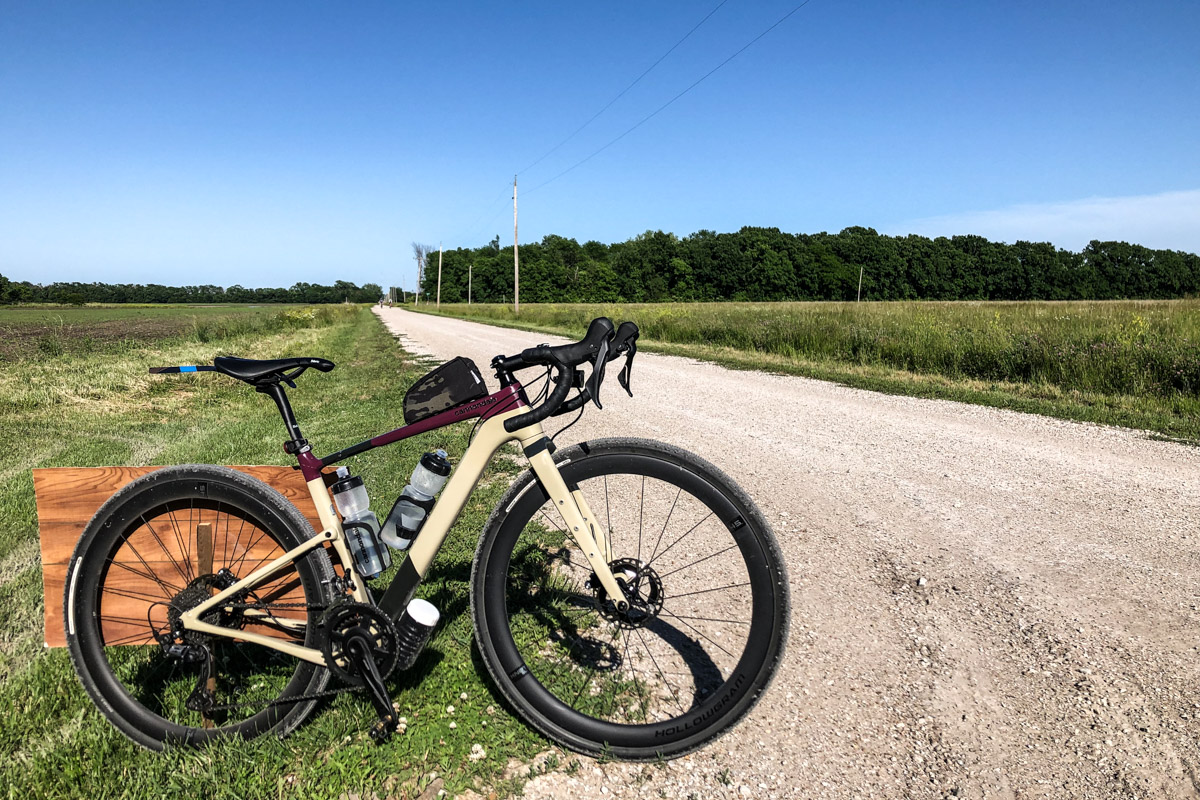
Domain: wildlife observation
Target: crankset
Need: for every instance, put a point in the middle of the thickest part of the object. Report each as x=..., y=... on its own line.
x=361, y=647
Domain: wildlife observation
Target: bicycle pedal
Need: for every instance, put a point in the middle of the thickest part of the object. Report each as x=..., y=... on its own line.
x=382, y=730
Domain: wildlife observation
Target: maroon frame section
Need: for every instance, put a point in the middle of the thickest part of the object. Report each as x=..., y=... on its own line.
x=507, y=399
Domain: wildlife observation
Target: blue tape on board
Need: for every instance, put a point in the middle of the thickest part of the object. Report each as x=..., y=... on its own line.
x=187, y=369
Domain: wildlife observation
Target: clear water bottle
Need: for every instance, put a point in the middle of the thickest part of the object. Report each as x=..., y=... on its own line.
x=361, y=525
x=415, y=502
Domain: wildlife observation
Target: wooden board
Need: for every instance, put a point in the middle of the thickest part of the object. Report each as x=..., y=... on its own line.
x=68, y=497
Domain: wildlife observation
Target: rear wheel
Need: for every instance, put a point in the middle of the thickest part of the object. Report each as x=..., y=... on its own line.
x=708, y=597
x=160, y=547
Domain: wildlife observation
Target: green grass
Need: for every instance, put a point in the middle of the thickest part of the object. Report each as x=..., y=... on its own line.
x=1131, y=363
x=76, y=410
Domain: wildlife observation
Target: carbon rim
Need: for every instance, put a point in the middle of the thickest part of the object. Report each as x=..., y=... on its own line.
x=692, y=667
x=143, y=558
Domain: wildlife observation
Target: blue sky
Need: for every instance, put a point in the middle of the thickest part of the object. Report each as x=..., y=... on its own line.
x=267, y=143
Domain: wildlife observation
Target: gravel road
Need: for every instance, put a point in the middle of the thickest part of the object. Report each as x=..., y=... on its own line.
x=985, y=603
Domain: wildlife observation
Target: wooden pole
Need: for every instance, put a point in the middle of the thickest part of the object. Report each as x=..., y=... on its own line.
x=860, y=272
x=439, y=297
x=204, y=566
x=470, y=270
x=516, y=256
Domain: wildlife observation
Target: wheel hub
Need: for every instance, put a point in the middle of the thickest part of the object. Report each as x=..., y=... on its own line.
x=187, y=644
x=642, y=587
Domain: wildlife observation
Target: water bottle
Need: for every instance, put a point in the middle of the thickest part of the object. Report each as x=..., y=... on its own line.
x=360, y=524
x=415, y=502
x=413, y=630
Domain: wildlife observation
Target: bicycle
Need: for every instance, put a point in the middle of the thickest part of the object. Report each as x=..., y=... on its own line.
x=640, y=649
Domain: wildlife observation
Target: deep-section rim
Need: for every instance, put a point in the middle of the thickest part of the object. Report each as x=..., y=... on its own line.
x=762, y=557
x=104, y=532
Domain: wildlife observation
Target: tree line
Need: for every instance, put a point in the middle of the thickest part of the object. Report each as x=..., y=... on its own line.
x=767, y=264
x=75, y=293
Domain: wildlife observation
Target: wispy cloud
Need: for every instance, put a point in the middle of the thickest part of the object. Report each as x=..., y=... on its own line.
x=1169, y=221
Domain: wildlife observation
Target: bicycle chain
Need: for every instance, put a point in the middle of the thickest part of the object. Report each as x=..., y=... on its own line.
x=289, y=700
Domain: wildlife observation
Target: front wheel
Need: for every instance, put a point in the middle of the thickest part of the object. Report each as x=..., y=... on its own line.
x=708, y=614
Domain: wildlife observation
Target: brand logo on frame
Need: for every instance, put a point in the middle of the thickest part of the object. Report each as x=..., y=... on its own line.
x=487, y=401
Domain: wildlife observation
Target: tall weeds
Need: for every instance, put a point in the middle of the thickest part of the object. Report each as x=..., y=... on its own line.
x=1117, y=348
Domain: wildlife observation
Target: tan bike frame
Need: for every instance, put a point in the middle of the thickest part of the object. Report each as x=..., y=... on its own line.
x=572, y=508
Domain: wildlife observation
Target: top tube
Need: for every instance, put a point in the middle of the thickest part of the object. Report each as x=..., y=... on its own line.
x=506, y=399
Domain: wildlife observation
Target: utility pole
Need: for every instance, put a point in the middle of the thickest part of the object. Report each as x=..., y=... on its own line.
x=439, y=297
x=417, y=295
x=860, y=272
x=470, y=269
x=516, y=256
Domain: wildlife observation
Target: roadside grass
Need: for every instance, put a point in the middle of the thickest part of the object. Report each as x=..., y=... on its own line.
x=1129, y=363
x=75, y=410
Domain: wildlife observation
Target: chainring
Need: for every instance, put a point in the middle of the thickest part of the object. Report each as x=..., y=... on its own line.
x=349, y=618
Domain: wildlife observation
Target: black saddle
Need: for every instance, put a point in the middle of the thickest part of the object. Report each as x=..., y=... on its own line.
x=271, y=370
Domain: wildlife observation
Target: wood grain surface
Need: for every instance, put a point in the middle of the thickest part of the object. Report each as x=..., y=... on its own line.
x=158, y=558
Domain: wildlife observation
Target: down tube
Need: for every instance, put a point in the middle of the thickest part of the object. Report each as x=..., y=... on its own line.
x=488, y=440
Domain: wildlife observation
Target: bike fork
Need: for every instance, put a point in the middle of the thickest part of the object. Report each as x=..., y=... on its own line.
x=581, y=524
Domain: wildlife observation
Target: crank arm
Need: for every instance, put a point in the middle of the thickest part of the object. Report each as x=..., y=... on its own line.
x=358, y=650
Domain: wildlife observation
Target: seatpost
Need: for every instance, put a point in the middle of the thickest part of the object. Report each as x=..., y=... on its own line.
x=277, y=394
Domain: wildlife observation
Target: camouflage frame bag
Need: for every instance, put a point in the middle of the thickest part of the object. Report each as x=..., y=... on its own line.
x=452, y=384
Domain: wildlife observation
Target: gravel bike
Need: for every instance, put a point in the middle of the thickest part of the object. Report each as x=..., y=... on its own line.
x=627, y=596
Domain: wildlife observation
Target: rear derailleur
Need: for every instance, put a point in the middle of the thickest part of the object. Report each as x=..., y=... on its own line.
x=191, y=647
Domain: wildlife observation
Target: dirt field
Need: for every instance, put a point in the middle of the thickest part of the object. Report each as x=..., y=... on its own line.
x=985, y=603
x=46, y=331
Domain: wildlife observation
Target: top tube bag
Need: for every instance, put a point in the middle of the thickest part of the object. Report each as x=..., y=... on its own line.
x=452, y=384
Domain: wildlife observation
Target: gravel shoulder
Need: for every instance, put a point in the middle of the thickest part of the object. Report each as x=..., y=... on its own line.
x=985, y=603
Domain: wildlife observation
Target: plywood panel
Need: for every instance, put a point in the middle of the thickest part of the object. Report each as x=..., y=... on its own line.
x=68, y=497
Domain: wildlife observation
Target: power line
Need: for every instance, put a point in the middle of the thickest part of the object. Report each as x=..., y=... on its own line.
x=663, y=107
x=474, y=226
x=626, y=89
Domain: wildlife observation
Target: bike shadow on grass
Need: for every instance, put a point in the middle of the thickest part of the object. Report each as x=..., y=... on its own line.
x=587, y=651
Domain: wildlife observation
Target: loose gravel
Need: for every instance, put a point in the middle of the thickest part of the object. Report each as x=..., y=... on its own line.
x=985, y=603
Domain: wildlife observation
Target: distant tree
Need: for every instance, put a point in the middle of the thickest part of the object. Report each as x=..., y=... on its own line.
x=421, y=254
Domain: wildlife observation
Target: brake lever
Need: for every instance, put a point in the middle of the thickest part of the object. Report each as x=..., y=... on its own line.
x=627, y=371
x=597, y=376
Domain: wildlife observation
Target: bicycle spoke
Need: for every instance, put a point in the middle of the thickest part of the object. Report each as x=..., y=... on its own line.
x=612, y=545
x=693, y=627
x=553, y=524
x=706, y=591
x=664, y=527
x=169, y=590
x=681, y=538
x=166, y=552
x=654, y=661
x=697, y=561
x=641, y=509
x=179, y=539
x=236, y=567
x=708, y=619
x=139, y=636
